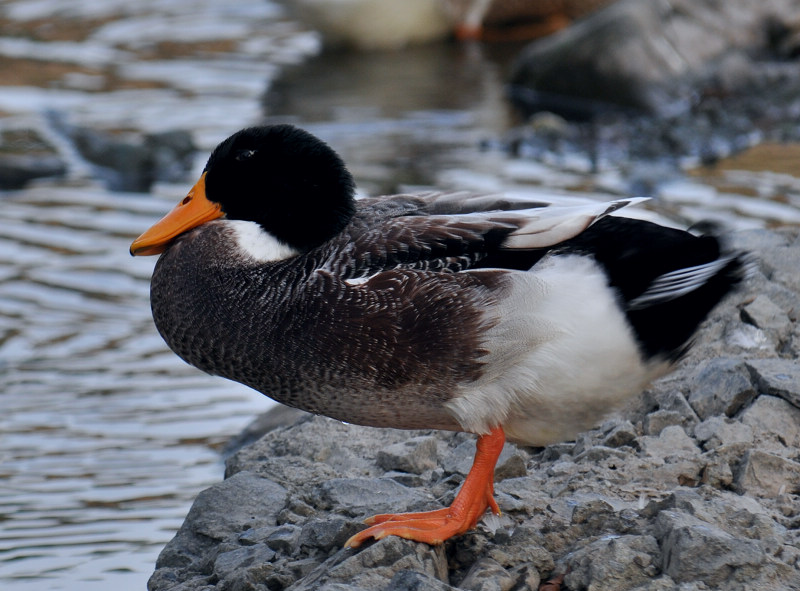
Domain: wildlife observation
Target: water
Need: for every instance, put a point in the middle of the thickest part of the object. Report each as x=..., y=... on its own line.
x=105, y=436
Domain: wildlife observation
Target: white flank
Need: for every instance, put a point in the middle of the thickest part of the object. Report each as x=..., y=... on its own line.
x=561, y=356
x=258, y=244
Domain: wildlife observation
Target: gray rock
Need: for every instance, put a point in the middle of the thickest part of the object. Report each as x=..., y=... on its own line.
x=407, y=580
x=17, y=170
x=361, y=497
x=323, y=534
x=671, y=442
x=226, y=509
x=278, y=416
x=694, y=550
x=773, y=420
x=656, y=421
x=717, y=431
x=672, y=400
x=647, y=55
x=415, y=455
x=374, y=566
x=614, y=563
x=721, y=386
x=24, y=156
x=131, y=161
x=778, y=377
x=781, y=266
x=767, y=316
x=717, y=472
x=767, y=474
x=228, y=563
x=284, y=538
x=487, y=575
x=622, y=434
x=511, y=465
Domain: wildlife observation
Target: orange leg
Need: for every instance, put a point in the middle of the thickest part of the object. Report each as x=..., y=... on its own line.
x=471, y=502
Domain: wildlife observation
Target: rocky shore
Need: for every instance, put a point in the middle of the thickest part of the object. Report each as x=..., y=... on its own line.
x=694, y=486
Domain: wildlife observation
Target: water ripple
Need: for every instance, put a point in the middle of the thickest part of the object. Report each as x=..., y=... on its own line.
x=107, y=436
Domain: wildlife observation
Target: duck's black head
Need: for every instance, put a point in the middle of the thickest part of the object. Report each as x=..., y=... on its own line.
x=290, y=182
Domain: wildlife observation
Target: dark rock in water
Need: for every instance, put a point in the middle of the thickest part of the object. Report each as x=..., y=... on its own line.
x=653, y=55
x=132, y=161
x=662, y=498
x=25, y=156
x=645, y=82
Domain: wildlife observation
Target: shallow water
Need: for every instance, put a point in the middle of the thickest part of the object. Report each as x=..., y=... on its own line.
x=106, y=437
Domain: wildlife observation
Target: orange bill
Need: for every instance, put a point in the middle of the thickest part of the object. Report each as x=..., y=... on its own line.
x=195, y=209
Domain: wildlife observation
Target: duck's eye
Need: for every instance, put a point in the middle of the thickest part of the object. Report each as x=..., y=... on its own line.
x=245, y=154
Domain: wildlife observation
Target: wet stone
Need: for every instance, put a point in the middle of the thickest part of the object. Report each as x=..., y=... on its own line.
x=134, y=161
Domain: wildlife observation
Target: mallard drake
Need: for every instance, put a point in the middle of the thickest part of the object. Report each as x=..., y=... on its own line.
x=495, y=316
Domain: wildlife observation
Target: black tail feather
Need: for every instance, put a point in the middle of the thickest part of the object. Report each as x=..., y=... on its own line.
x=668, y=280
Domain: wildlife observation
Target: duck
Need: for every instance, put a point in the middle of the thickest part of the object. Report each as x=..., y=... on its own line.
x=376, y=24
x=501, y=316
x=386, y=25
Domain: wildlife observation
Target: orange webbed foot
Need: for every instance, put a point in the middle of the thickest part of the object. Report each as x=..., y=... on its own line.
x=471, y=502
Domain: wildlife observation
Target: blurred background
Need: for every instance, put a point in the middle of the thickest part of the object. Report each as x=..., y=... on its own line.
x=109, y=108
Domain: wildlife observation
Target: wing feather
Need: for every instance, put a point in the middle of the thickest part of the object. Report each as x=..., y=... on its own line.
x=467, y=232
